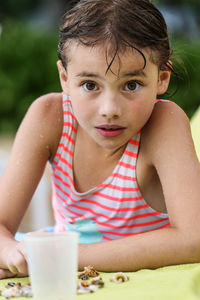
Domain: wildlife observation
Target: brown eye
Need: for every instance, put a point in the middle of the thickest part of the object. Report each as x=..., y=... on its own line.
x=90, y=86
x=132, y=86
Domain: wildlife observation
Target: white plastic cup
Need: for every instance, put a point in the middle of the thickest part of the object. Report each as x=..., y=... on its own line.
x=52, y=263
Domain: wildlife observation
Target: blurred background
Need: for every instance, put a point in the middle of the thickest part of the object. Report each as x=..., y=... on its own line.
x=28, y=55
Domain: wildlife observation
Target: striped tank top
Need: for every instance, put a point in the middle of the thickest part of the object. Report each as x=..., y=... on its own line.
x=111, y=210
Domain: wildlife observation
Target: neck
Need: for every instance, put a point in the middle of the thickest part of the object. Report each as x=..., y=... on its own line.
x=93, y=147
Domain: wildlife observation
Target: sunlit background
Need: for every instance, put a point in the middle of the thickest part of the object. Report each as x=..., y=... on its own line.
x=28, y=54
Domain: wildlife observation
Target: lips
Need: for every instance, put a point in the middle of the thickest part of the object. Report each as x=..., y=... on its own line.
x=108, y=130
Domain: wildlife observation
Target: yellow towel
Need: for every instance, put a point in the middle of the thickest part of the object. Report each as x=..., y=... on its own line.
x=180, y=282
x=195, y=127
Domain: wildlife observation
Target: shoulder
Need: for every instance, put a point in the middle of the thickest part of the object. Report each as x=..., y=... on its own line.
x=47, y=104
x=167, y=132
x=44, y=121
x=165, y=116
x=167, y=146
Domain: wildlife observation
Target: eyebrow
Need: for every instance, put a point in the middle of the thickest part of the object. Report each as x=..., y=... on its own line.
x=139, y=72
x=86, y=74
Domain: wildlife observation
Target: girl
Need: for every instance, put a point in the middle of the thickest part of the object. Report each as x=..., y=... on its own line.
x=124, y=170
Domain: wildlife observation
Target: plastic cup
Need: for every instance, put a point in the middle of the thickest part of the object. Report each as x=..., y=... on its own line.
x=52, y=263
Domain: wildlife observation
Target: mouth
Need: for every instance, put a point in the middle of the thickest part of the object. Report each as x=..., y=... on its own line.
x=110, y=130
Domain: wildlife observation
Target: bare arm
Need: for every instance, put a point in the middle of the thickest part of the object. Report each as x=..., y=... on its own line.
x=169, y=148
x=34, y=144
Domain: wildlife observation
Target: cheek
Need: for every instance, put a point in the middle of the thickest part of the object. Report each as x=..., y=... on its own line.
x=81, y=111
x=141, y=111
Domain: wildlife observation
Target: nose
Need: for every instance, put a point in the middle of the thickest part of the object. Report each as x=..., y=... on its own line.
x=109, y=106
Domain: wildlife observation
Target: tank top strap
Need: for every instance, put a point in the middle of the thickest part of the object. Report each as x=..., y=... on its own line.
x=163, y=100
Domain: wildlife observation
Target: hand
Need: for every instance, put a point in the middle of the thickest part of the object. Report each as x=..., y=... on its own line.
x=14, y=259
x=15, y=264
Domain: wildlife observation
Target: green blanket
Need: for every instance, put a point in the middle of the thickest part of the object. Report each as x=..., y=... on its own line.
x=181, y=282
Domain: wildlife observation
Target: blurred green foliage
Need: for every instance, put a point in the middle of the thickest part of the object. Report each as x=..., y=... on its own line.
x=28, y=69
x=186, y=62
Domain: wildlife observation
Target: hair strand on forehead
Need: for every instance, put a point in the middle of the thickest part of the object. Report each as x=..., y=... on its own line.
x=135, y=24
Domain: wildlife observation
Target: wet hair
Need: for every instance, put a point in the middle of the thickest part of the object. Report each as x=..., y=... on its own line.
x=137, y=24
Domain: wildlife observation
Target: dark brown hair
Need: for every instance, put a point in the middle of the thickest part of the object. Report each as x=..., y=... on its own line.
x=121, y=23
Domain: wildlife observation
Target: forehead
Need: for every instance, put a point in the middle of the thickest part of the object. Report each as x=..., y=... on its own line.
x=101, y=56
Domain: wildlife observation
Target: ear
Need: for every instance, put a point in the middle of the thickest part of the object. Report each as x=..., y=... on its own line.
x=63, y=76
x=163, y=81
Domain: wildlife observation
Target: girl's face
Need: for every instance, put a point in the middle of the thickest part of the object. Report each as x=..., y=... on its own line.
x=111, y=107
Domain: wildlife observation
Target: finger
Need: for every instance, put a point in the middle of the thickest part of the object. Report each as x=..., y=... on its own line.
x=6, y=274
x=18, y=264
x=21, y=275
x=13, y=270
x=21, y=264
